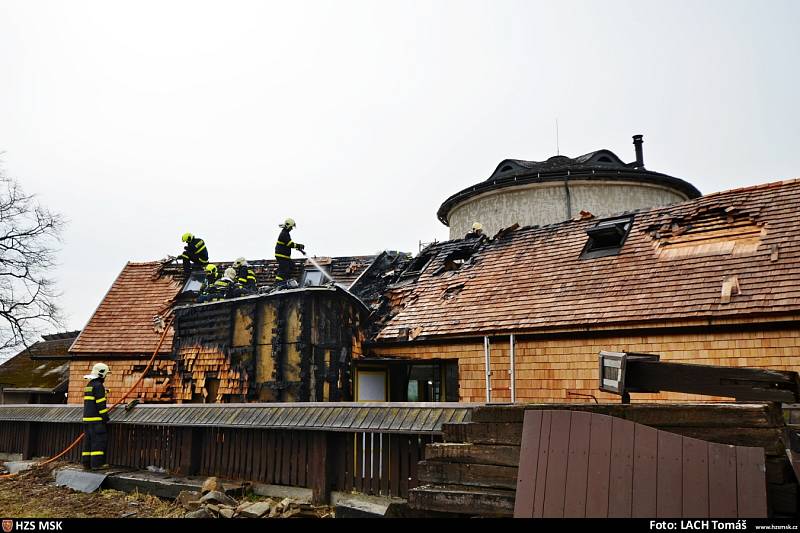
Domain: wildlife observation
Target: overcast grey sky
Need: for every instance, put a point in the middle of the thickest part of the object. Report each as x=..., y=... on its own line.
x=139, y=121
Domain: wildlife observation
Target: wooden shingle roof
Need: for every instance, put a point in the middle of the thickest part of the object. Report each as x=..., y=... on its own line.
x=123, y=322
x=676, y=264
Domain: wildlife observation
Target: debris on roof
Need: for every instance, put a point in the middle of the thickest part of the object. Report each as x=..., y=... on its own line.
x=716, y=231
x=668, y=268
x=132, y=316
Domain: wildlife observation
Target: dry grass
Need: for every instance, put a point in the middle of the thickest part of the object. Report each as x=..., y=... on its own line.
x=32, y=494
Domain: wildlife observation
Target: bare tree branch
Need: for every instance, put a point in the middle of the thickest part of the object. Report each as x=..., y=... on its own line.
x=29, y=235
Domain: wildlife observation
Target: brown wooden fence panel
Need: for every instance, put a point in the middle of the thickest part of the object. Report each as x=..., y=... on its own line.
x=373, y=462
x=528, y=461
x=578, y=467
x=541, y=466
x=751, y=484
x=599, y=464
x=576, y=464
x=695, y=478
x=620, y=483
x=722, y=480
x=645, y=468
x=670, y=475
x=556, y=477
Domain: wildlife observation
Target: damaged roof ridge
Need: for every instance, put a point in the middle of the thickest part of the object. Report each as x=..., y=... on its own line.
x=769, y=185
x=315, y=288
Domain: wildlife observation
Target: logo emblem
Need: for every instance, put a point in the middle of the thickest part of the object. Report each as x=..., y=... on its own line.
x=8, y=526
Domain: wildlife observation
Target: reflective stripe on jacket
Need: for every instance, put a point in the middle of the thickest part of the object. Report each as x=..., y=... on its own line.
x=95, y=405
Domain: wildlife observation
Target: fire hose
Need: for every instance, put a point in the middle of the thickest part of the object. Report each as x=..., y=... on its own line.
x=124, y=396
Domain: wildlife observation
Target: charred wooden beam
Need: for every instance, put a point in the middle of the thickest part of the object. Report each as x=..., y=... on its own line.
x=744, y=384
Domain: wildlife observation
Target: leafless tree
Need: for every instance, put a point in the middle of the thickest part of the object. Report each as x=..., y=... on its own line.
x=29, y=234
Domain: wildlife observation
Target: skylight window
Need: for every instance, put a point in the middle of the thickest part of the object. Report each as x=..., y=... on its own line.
x=312, y=278
x=417, y=265
x=194, y=283
x=606, y=237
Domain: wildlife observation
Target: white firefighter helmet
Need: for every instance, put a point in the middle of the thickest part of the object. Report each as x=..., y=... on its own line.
x=239, y=262
x=477, y=226
x=289, y=224
x=100, y=370
x=230, y=273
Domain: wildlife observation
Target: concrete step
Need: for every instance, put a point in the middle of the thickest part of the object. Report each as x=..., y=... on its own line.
x=163, y=485
x=488, y=476
x=462, y=500
x=480, y=454
x=484, y=433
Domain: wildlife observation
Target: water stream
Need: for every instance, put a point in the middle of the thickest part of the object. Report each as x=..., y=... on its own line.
x=318, y=267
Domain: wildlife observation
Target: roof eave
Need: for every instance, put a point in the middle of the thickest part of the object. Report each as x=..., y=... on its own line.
x=625, y=174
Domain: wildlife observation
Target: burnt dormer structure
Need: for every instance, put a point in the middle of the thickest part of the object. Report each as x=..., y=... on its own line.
x=532, y=193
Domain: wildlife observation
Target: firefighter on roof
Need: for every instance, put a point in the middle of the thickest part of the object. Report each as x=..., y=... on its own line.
x=194, y=253
x=283, y=251
x=212, y=275
x=226, y=285
x=476, y=233
x=245, y=276
x=208, y=290
x=95, y=418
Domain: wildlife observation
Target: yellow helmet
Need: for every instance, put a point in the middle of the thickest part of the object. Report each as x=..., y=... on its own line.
x=289, y=223
x=477, y=226
x=211, y=268
x=186, y=237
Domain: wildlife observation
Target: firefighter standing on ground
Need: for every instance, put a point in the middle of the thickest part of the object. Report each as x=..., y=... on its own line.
x=194, y=253
x=283, y=251
x=95, y=418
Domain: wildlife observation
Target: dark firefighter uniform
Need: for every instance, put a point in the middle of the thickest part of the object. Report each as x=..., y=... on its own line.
x=194, y=252
x=246, y=278
x=209, y=290
x=95, y=418
x=222, y=289
x=283, y=253
x=211, y=278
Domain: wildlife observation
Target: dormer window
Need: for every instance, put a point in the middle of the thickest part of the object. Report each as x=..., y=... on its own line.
x=416, y=266
x=312, y=278
x=606, y=237
x=194, y=283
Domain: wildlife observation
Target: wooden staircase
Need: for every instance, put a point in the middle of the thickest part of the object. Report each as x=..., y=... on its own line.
x=474, y=471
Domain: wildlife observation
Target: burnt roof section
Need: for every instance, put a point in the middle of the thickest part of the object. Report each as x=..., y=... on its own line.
x=344, y=269
x=673, y=266
x=597, y=165
x=45, y=364
x=123, y=322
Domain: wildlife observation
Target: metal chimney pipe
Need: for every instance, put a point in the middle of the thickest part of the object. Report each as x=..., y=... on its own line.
x=637, y=143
